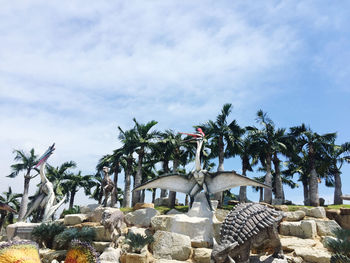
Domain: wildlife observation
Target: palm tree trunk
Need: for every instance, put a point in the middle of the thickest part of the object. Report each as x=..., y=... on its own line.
x=261, y=197
x=128, y=171
x=314, y=199
x=306, y=192
x=172, y=194
x=115, y=189
x=154, y=195
x=243, y=189
x=164, y=192
x=337, y=189
x=71, y=199
x=24, y=201
x=186, y=200
x=2, y=218
x=136, y=197
x=278, y=180
x=268, y=180
x=142, y=198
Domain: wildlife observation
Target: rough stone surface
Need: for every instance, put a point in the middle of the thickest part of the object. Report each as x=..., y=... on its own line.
x=138, y=230
x=20, y=229
x=110, y=255
x=221, y=214
x=266, y=259
x=326, y=228
x=161, y=201
x=317, y=212
x=142, y=206
x=100, y=246
x=283, y=208
x=173, y=212
x=202, y=255
x=344, y=221
x=295, y=216
x=303, y=229
x=289, y=244
x=345, y=211
x=169, y=245
x=96, y=215
x=161, y=260
x=102, y=234
x=48, y=256
x=141, y=217
x=134, y=258
x=332, y=214
x=88, y=208
x=313, y=255
x=74, y=219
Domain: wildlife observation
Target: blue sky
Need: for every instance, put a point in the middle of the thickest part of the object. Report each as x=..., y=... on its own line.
x=72, y=71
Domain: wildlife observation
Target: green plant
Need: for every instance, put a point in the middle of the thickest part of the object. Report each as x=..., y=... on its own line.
x=45, y=233
x=340, y=246
x=74, y=210
x=137, y=241
x=84, y=234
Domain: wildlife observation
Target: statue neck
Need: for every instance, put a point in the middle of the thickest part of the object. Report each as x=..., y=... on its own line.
x=198, y=154
x=42, y=173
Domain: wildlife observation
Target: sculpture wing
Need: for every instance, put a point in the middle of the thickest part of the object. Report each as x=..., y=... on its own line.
x=221, y=181
x=172, y=182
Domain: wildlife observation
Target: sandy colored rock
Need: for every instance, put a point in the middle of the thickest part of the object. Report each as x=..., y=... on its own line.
x=74, y=219
x=344, y=211
x=110, y=255
x=294, y=216
x=102, y=234
x=169, y=245
x=289, y=244
x=100, y=246
x=96, y=215
x=142, y=206
x=283, y=208
x=202, y=255
x=313, y=255
x=221, y=214
x=302, y=229
x=162, y=260
x=326, y=227
x=141, y=217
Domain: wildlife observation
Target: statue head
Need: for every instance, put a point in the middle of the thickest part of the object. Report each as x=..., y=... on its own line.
x=220, y=253
x=105, y=169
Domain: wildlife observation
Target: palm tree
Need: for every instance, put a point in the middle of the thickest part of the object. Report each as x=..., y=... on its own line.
x=143, y=139
x=25, y=162
x=270, y=143
x=220, y=136
x=10, y=199
x=338, y=155
x=57, y=174
x=73, y=182
x=316, y=147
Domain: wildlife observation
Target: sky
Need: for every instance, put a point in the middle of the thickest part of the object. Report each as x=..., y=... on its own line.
x=71, y=72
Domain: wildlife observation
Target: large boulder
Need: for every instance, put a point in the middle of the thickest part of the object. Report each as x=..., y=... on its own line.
x=96, y=215
x=88, y=208
x=102, y=234
x=317, y=212
x=21, y=230
x=141, y=217
x=313, y=255
x=169, y=245
x=303, y=229
x=47, y=256
x=289, y=244
x=142, y=206
x=110, y=255
x=100, y=246
x=295, y=216
x=326, y=227
x=202, y=255
x=162, y=260
x=75, y=219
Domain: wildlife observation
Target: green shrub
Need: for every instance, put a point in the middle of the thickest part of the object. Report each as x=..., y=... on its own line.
x=45, y=233
x=74, y=210
x=86, y=234
x=340, y=246
x=137, y=241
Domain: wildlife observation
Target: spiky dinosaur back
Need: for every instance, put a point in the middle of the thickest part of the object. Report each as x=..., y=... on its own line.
x=247, y=220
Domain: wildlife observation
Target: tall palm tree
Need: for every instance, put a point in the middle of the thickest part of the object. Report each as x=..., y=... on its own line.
x=338, y=155
x=220, y=136
x=316, y=147
x=9, y=198
x=73, y=182
x=143, y=139
x=57, y=174
x=26, y=163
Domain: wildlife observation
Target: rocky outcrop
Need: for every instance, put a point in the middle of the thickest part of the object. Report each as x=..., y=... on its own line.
x=317, y=212
x=96, y=215
x=326, y=227
x=110, y=255
x=169, y=245
x=302, y=229
x=141, y=217
x=295, y=216
x=75, y=219
x=202, y=255
x=142, y=206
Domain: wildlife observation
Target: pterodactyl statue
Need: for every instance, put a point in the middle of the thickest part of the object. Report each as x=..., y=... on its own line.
x=46, y=197
x=200, y=179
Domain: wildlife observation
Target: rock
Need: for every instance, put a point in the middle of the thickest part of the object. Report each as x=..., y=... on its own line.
x=291, y=259
x=295, y=216
x=173, y=212
x=232, y=202
x=141, y=217
x=96, y=215
x=221, y=214
x=200, y=244
x=88, y=208
x=332, y=214
x=161, y=201
x=74, y=219
x=168, y=261
x=313, y=255
x=169, y=245
x=142, y=206
x=100, y=246
x=266, y=259
x=138, y=230
x=110, y=255
x=202, y=255
x=289, y=244
x=317, y=212
x=303, y=229
x=134, y=258
x=283, y=208
x=102, y=234
x=326, y=228
x=48, y=255
x=344, y=221
x=55, y=261
x=344, y=211
x=21, y=230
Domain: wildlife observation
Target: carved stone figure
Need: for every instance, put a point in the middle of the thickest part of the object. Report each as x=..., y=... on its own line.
x=199, y=179
x=113, y=222
x=107, y=185
x=248, y=226
x=46, y=197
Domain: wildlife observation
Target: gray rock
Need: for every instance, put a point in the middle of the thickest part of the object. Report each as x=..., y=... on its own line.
x=74, y=219
x=303, y=229
x=173, y=212
x=169, y=245
x=317, y=212
x=110, y=255
x=47, y=256
x=138, y=230
x=313, y=255
x=266, y=259
x=326, y=227
x=96, y=215
x=102, y=234
x=295, y=216
x=21, y=230
x=141, y=217
x=88, y=208
x=100, y=246
x=168, y=261
x=202, y=255
x=289, y=244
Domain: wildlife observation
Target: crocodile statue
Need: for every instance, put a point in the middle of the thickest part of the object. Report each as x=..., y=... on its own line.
x=247, y=226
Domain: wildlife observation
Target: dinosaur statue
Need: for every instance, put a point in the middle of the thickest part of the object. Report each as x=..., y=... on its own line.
x=248, y=225
x=199, y=179
x=6, y=207
x=107, y=185
x=113, y=222
x=46, y=197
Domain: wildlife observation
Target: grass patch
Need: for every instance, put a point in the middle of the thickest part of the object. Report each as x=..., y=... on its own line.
x=126, y=209
x=337, y=206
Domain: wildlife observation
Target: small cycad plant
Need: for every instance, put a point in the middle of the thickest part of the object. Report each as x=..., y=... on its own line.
x=45, y=233
x=86, y=234
x=340, y=246
x=137, y=241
